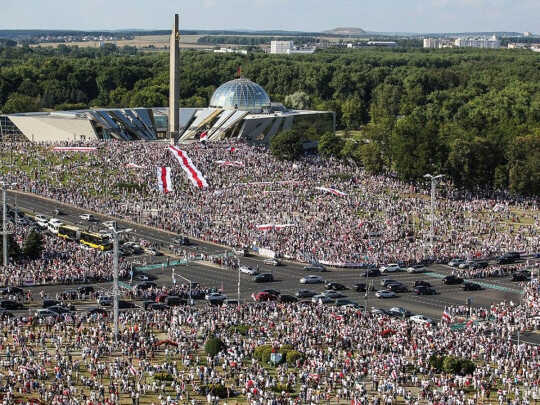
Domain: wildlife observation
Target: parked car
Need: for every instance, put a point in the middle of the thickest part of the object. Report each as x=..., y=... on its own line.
x=422, y=283
x=456, y=262
x=263, y=296
x=397, y=287
x=400, y=312
x=422, y=319
x=344, y=302
x=372, y=273
x=287, y=298
x=111, y=225
x=241, y=252
x=519, y=276
x=9, y=304
x=145, y=285
x=272, y=262
x=86, y=289
x=157, y=306
x=311, y=279
x=390, y=268
x=333, y=294
x=479, y=265
x=302, y=293
x=361, y=287
x=321, y=299
x=452, y=280
x=11, y=291
x=41, y=218
x=174, y=301
x=466, y=264
x=264, y=277
x=423, y=290
x=385, y=294
x=330, y=285
x=315, y=267
x=417, y=268
x=126, y=304
x=505, y=260
x=49, y=303
x=248, y=270
x=471, y=287
x=86, y=217
x=59, y=309
x=105, y=301
x=387, y=281
x=152, y=252
x=215, y=296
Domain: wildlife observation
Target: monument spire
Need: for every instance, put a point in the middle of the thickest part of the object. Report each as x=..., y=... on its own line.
x=174, y=83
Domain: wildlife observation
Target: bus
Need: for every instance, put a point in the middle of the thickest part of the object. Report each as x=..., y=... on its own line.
x=69, y=232
x=96, y=240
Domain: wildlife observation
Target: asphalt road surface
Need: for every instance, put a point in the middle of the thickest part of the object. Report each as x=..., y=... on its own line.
x=286, y=276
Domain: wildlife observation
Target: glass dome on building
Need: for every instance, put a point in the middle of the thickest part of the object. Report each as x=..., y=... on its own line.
x=241, y=94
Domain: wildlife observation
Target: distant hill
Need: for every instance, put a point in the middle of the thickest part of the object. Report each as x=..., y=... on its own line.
x=346, y=31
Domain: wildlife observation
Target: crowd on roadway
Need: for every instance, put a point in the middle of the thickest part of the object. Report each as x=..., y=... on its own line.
x=379, y=219
x=346, y=356
x=61, y=262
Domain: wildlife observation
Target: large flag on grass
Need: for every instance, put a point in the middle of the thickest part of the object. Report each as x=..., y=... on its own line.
x=189, y=168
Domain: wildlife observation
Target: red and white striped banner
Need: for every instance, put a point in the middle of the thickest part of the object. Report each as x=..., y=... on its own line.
x=134, y=166
x=267, y=227
x=164, y=179
x=74, y=149
x=446, y=317
x=187, y=165
x=204, y=136
x=236, y=163
x=332, y=190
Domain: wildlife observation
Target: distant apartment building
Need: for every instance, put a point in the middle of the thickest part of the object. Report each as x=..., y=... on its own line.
x=438, y=43
x=280, y=47
x=383, y=43
x=487, y=43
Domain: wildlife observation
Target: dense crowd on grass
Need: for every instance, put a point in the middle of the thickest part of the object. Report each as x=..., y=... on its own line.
x=378, y=220
x=189, y=354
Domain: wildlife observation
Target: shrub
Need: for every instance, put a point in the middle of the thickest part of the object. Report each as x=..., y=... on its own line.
x=241, y=329
x=265, y=355
x=217, y=389
x=282, y=388
x=293, y=356
x=436, y=362
x=452, y=365
x=213, y=345
x=257, y=353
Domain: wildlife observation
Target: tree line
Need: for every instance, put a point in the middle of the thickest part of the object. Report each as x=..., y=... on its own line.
x=472, y=114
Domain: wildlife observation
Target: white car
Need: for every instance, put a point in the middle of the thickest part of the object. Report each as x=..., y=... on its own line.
x=390, y=268
x=385, y=294
x=311, y=279
x=241, y=252
x=86, y=217
x=422, y=319
x=53, y=225
x=417, y=268
x=248, y=270
x=109, y=224
x=455, y=262
x=41, y=218
x=272, y=262
x=215, y=296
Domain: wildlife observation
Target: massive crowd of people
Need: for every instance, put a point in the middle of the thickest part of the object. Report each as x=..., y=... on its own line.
x=346, y=356
x=378, y=220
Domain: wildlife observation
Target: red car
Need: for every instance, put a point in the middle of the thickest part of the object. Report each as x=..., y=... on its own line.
x=263, y=296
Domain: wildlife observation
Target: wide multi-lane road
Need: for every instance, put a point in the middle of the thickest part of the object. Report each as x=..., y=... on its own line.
x=286, y=276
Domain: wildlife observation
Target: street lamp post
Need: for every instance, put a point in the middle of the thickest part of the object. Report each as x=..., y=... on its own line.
x=116, y=292
x=4, y=186
x=432, y=219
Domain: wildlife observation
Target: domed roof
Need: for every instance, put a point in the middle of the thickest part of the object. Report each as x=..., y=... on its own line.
x=241, y=94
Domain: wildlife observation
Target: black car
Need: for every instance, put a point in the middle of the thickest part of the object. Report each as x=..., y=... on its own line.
x=423, y=290
x=275, y=293
x=421, y=283
x=361, y=287
x=264, y=277
x=520, y=277
x=505, y=260
x=305, y=293
x=182, y=241
x=145, y=285
x=330, y=285
x=471, y=287
x=399, y=312
x=59, y=309
x=479, y=265
x=386, y=282
x=157, y=306
x=397, y=287
x=372, y=273
x=85, y=290
x=49, y=303
x=452, y=280
x=287, y=298
x=12, y=290
x=97, y=310
x=8, y=304
x=125, y=304
x=174, y=301
x=512, y=255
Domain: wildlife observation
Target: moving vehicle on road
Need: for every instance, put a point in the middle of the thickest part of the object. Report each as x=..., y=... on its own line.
x=390, y=268
x=333, y=294
x=385, y=294
x=361, y=287
x=87, y=217
x=387, y=281
x=455, y=262
x=311, y=279
x=262, y=296
x=423, y=290
x=272, y=262
x=451, y=279
x=69, y=232
x=397, y=287
x=105, y=301
x=215, y=297
x=10, y=290
x=372, y=273
x=417, y=268
x=182, y=241
x=315, y=267
x=471, y=287
x=520, y=276
x=9, y=304
x=96, y=240
x=422, y=283
x=344, y=302
x=244, y=268
x=321, y=299
x=111, y=225
x=422, y=319
x=303, y=293
x=400, y=312
x=287, y=298
x=331, y=285
x=53, y=225
x=263, y=278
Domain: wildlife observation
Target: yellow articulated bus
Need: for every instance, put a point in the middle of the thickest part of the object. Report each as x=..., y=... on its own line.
x=96, y=240
x=69, y=232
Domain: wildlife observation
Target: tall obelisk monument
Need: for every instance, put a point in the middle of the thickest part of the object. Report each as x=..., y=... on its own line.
x=174, y=83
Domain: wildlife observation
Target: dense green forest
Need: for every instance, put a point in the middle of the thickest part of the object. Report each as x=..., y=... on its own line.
x=473, y=114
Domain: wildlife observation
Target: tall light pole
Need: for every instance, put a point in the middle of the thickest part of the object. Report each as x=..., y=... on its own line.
x=4, y=186
x=116, y=292
x=432, y=219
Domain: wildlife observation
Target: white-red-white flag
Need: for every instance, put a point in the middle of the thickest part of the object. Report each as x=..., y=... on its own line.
x=204, y=136
x=164, y=179
x=332, y=191
x=187, y=165
x=446, y=317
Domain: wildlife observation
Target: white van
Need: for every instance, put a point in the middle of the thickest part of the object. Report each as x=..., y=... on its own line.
x=53, y=225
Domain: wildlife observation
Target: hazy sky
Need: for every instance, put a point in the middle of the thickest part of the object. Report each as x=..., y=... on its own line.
x=304, y=15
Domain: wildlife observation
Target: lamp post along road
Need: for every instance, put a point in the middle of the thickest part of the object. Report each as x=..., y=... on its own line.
x=4, y=186
x=116, y=292
x=432, y=218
